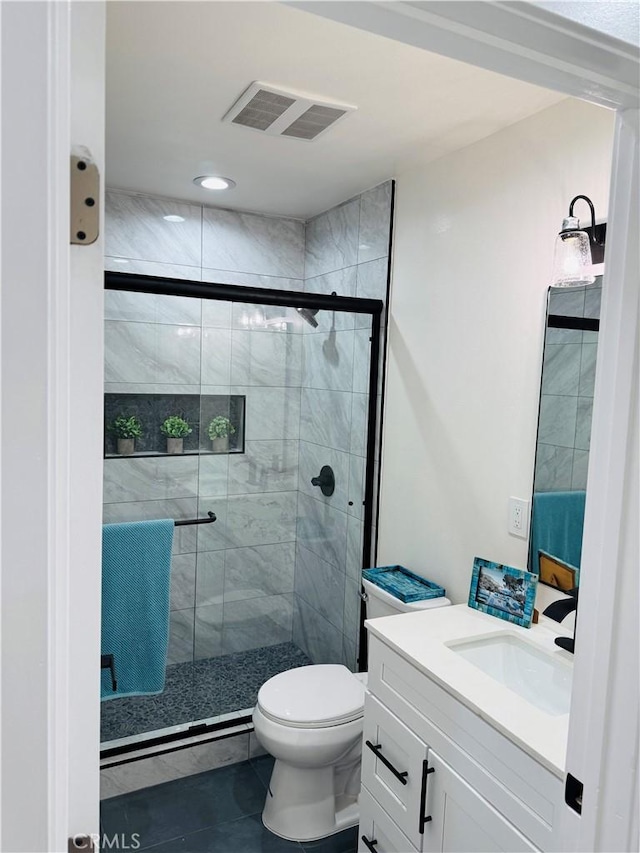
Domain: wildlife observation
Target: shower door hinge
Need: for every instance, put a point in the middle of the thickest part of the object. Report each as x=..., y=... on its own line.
x=81, y=842
x=85, y=198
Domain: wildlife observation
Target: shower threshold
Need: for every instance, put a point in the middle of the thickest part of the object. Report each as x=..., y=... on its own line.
x=198, y=695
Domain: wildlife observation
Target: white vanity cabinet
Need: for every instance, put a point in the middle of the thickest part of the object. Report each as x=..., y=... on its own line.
x=437, y=777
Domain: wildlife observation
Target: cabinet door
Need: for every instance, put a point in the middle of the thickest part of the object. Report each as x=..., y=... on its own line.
x=377, y=832
x=392, y=767
x=461, y=820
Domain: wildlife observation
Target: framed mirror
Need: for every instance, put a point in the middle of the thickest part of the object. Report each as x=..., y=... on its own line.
x=564, y=433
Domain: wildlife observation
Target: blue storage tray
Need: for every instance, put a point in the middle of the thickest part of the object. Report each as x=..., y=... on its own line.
x=402, y=583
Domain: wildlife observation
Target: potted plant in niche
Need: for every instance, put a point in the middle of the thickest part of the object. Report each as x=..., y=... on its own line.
x=126, y=430
x=219, y=430
x=175, y=428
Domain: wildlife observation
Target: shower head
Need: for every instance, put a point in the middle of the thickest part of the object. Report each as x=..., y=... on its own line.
x=309, y=314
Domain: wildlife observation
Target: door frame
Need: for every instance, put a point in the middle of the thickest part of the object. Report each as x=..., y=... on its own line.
x=49, y=612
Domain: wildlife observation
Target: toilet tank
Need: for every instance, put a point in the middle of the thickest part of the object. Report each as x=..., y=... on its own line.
x=382, y=603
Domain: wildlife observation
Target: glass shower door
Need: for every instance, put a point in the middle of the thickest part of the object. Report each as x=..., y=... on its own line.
x=272, y=396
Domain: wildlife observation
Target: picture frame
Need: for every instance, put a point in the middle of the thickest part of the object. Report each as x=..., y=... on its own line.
x=503, y=591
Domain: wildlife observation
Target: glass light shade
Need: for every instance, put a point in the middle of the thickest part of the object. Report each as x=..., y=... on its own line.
x=572, y=264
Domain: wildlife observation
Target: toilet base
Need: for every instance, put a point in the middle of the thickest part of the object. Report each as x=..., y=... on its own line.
x=301, y=805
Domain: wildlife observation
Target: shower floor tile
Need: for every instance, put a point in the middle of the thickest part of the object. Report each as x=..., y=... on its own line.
x=215, y=811
x=198, y=690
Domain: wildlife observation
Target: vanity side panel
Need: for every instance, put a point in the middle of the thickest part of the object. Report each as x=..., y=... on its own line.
x=525, y=792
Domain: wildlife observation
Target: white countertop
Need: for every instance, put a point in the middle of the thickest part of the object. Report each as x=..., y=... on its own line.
x=420, y=639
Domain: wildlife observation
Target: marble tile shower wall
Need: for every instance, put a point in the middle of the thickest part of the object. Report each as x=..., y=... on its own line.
x=281, y=560
x=566, y=401
x=347, y=253
x=231, y=583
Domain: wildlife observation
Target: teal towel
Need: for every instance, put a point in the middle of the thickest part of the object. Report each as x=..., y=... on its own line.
x=136, y=573
x=556, y=527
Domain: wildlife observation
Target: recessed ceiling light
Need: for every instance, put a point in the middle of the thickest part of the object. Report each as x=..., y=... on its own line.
x=173, y=218
x=214, y=182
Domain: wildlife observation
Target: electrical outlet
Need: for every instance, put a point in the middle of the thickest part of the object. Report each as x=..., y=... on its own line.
x=519, y=517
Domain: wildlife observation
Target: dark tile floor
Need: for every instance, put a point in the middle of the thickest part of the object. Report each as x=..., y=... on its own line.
x=217, y=812
x=198, y=690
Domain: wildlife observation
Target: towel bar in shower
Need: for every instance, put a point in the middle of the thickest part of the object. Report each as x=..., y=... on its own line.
x=182, y=522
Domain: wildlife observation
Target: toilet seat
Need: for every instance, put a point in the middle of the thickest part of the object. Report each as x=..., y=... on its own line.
x=317, y=696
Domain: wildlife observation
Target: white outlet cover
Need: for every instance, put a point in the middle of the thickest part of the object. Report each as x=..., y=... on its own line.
x=518, y=517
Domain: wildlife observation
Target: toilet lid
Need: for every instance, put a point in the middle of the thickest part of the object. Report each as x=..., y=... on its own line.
x=313, y=696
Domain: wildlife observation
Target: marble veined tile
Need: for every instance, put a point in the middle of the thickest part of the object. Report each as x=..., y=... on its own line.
x=208, y=631
x=152, y=388
x=149, y=510
x=355, y=533
x=243, y=279
x=328, y=361
x=583, y=423
x=312, y=458
x=372, y=279
x=185, y=540
x=351, y=609
x=321, y=585
x=212, y=537
x=180, y=636
x=259, y=571
x=359, y=420
x=183, y=581
x=151, y=308
x=315, y=635
x=588, y=370
x=271, y=413
x=216, y=356
x=375, y=223
x=250, y=243
x=557, y=423
x=332, y=239
x=266, y=318
x=256, y=622
x=212, y=475
x=325, y=418
x=553, y=468
x=356, y=486
x=323, y=530
x=568, y=302
x=150, y=478
x=151, y=353
x=592, y=300
x=210, y=569
x=342, y=282
x=135, y=228
x=261, y=519
x=216, y=313
x=580, y=469
x=261, y=358
x=349, y=654
x=561, y=369
x=265, y=466
x=132, y=265
x=361, y=361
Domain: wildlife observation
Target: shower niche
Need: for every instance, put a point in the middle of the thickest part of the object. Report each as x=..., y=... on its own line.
x=225, y=411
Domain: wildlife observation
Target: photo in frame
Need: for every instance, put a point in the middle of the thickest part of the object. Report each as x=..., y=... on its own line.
x=503, y=591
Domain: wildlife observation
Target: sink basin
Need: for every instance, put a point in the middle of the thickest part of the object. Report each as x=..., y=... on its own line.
x=536, y=675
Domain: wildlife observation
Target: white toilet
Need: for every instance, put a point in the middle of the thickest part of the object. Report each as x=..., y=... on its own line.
x=310, y=720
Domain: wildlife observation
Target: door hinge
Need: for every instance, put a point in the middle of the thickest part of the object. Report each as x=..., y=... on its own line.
x=85, y=198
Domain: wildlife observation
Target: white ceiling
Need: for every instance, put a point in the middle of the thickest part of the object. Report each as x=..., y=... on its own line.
x=175, y=68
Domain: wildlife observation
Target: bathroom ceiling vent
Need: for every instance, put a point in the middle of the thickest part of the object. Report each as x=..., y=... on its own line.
x=280, y=113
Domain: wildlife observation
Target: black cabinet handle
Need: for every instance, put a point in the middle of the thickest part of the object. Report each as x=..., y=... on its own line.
x=423, y=796
x=370, y=845
x=377, y=751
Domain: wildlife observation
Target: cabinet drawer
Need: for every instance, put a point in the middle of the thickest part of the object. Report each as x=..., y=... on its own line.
x=393, y=760
x=377, y=830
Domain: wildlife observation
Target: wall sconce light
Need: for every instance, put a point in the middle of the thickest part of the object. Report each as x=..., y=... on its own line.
x=577, y=249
